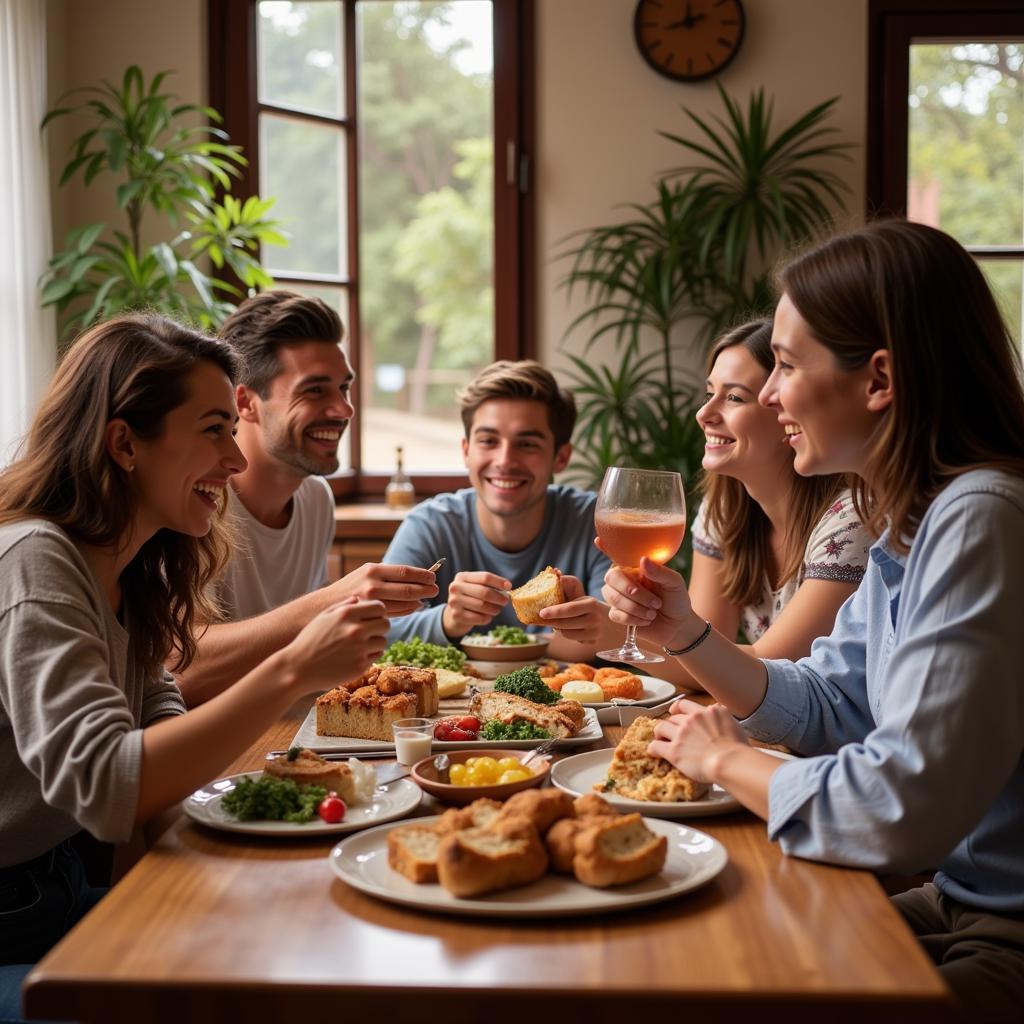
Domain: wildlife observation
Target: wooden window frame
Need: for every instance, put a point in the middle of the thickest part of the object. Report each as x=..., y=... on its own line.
x=232, y=63
x=892, y=26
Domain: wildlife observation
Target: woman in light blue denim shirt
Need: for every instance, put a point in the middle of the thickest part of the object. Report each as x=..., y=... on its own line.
x=892, y=363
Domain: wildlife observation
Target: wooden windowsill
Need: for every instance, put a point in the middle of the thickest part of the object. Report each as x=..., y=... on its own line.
x=370, y=519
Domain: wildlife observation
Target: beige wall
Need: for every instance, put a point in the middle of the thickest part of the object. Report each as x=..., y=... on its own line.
x=89, y=40
x=599, y=103
x=600, y=107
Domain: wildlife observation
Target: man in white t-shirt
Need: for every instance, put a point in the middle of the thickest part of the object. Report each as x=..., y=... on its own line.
x=293, y=405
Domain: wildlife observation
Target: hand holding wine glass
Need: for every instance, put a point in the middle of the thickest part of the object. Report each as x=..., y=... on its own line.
x=641, y=513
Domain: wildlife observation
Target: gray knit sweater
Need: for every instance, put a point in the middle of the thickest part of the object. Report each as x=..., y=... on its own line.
x=73, y=699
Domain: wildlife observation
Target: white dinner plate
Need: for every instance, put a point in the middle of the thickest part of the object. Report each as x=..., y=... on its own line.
x=308, y=737
x=391, y=801
x=577, y=776
x=694, y=858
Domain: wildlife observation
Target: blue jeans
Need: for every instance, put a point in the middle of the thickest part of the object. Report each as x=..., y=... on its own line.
x=40, y=901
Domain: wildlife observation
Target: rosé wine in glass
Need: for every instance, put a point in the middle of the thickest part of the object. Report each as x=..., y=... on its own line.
x=641, y=513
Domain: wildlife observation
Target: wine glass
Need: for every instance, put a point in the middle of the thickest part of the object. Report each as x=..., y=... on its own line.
x=640, y=512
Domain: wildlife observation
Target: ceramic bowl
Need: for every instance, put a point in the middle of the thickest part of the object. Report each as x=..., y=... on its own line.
x=523, y=653
x=424, y=774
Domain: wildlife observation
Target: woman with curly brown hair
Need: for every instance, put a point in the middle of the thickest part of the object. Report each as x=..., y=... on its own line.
x=110, y=533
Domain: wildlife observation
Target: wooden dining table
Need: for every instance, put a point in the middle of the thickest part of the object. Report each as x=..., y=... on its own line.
x=212, y=927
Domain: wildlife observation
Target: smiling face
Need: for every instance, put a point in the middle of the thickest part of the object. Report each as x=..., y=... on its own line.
x=744, y=439
x=180, y=476
x=307, y=409
x=828, y=413
x=511, y=456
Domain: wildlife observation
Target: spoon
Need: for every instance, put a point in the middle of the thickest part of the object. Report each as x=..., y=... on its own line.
x=442, y=762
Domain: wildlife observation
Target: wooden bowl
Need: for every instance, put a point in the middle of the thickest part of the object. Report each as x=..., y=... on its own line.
x=425, y=775
x=508, y=652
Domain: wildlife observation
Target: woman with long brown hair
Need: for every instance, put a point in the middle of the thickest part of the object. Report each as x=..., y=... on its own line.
x=892, y=363
x=110, y=532
x=774, y=553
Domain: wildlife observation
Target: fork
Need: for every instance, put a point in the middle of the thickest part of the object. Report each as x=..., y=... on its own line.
x=544, y=748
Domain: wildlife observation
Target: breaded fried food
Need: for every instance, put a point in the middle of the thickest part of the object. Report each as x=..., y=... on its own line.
x=541, y=807
x=573, y=710
x=636, y=775
x=590, y=805
x=422, y=682
x=625, y=685
x=547, y=668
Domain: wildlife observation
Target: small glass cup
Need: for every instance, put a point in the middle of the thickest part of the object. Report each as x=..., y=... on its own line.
x=413, y=739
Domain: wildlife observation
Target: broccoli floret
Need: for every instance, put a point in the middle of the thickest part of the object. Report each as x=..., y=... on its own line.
x=495, y=730
x=526, y=682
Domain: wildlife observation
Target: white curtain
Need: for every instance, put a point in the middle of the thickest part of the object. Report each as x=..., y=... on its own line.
x=28, y=341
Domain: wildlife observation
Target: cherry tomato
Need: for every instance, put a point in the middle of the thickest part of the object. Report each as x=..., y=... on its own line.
x=455, y=733
x=468, y=722
x=332, y=809
x=442, y=731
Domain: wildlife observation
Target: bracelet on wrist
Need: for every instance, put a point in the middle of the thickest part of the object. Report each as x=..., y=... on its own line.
x=691, y=647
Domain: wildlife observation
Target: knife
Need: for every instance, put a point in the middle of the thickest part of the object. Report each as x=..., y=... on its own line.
x=339, y=753
x=627, y=716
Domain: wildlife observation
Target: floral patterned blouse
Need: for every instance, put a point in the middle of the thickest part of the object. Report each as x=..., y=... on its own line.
x=837, y=549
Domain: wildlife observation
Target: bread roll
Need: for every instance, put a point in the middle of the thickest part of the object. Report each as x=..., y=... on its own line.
x=541, y=807
x=616, y=851
x=412, y=851
x=477, y=861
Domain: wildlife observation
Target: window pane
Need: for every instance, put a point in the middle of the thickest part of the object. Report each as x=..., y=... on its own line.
x=1006, y=278
x=426, y=222
x=303, y=165
x=300, y=55
x=966, y=146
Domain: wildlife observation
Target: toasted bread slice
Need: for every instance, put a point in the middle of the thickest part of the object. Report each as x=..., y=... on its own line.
x=635, y=775
x=412, y=851
x=542, y=591
x=477, y=861
x=508, y=708
x=616, y=851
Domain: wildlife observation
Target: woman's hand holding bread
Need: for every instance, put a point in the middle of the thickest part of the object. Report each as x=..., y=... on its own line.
x=338, y=644
x=474, y=598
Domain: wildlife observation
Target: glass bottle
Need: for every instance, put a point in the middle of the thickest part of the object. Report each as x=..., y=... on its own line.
x=399, y=492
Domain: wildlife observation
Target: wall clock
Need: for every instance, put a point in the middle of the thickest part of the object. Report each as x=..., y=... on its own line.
x=688, y=40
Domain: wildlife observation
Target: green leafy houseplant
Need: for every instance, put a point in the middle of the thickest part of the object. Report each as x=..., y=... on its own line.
x=700, y=251
x=168, y=164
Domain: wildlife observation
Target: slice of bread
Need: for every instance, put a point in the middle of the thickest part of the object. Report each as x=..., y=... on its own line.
x=478, y=861
x=479, y=814
x=412, y=851
x=542, y=591
x=540, y=807
x=310, y=769
x=635, y=775
x=508, y=708
x=617, y=851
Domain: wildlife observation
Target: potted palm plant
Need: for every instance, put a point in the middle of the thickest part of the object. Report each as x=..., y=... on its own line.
x=168, y=161
x=700, y=251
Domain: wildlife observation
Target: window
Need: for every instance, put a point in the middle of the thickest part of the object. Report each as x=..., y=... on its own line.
x=393, y=135
x=946, y=133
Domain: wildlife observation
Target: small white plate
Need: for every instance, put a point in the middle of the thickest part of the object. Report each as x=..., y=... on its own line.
x=394, y=800
x=308, y=737
x=694, y=858
x=577, y=776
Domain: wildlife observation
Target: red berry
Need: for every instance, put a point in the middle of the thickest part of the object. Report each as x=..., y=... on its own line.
x=332, y=809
